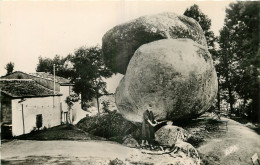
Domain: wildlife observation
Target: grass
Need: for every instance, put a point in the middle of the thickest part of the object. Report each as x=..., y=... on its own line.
x=62, y=132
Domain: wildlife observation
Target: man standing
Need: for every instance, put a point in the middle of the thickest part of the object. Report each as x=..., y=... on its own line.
x=148, y=127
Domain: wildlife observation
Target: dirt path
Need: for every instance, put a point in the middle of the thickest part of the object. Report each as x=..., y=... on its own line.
x=20, y=149
x=76, y=152
x=233, y=146
x=236, y=146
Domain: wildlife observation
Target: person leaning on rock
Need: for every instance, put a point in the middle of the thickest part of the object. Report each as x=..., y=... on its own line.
x=148, y=125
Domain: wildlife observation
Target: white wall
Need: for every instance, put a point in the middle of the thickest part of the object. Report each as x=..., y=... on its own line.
x=51, y=116
x=76, y=112
x=65, y=91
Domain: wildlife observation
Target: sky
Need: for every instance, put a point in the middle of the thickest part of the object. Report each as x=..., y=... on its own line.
x=29, y=29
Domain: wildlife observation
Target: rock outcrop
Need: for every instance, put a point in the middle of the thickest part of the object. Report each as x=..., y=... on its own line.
x=167, y=135
x=176, y=76
x=129, y=141
x=120, y=43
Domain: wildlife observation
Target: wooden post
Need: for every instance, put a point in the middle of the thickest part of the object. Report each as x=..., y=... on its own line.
x=60, y=113
x=23, y=120
x=54, y=85
x=54, y=79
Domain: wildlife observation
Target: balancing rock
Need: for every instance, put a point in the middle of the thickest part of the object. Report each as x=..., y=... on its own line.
x=120, y=43
x=176, y=76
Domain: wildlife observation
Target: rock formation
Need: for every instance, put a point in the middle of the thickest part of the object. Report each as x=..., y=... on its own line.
x=167, y=135
x=129, y=141
x=120, y=43
x=176, y=76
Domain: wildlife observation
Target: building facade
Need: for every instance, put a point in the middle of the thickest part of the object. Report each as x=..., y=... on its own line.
x=27, y=106
x=62, y=86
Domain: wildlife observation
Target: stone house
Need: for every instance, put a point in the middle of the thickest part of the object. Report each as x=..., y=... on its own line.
x=24, y=103
x=62, y=86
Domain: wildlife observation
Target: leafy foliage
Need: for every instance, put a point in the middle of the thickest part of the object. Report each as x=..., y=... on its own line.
x=70, y=100
x=205, y=23
x=105, y=106
x=85, y=68
x=239, y=59
x=89, y=69
x=9, y=67
x=63, y=66
x=110, y=125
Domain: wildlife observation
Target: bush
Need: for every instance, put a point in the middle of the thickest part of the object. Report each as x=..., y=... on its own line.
x=110, y=125
x=195, y=141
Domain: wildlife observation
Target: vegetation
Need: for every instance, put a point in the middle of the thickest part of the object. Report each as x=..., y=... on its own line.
x=63, y=132
x=109, y=125
x=63, y=66
x=9, y=68
x=205, y=23
x=86, y=70
x=89, y=73
x=237, y=58
x=70, y=100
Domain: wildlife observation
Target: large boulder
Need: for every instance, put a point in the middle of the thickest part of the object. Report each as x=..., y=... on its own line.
x=120, y=43
x=176, y=76
x=167, y=135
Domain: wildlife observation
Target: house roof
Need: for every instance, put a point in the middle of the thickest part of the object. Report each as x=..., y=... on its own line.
x=43, y=75
x=48, y=76
x=18, y=88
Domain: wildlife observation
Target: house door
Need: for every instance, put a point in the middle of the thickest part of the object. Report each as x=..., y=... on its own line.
x=6, y=131
x=39, y=121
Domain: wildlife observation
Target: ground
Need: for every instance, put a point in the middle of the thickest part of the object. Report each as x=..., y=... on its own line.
x=236, y=146
x=63, y=132
x=233, y=146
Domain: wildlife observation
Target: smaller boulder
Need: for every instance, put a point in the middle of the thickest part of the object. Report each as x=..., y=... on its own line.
x=167, y=135
x=116, y=162
x=129, y=141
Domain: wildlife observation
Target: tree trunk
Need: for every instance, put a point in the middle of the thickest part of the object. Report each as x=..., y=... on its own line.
x=229, y=90
x=218, y=97
x=97, y=104
x=230, y=99
x=68, y=116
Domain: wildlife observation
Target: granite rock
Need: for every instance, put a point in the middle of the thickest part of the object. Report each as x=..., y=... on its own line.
x=120, y=43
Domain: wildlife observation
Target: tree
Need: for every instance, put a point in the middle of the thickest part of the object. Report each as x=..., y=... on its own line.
x=205, y=23
x=44, y=65
x=226, y=67
x=62, y=66
x=89, y=71
x=239, y=43
x=9, y=67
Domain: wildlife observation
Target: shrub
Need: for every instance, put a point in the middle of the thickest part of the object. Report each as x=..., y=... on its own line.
x=110, y=125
